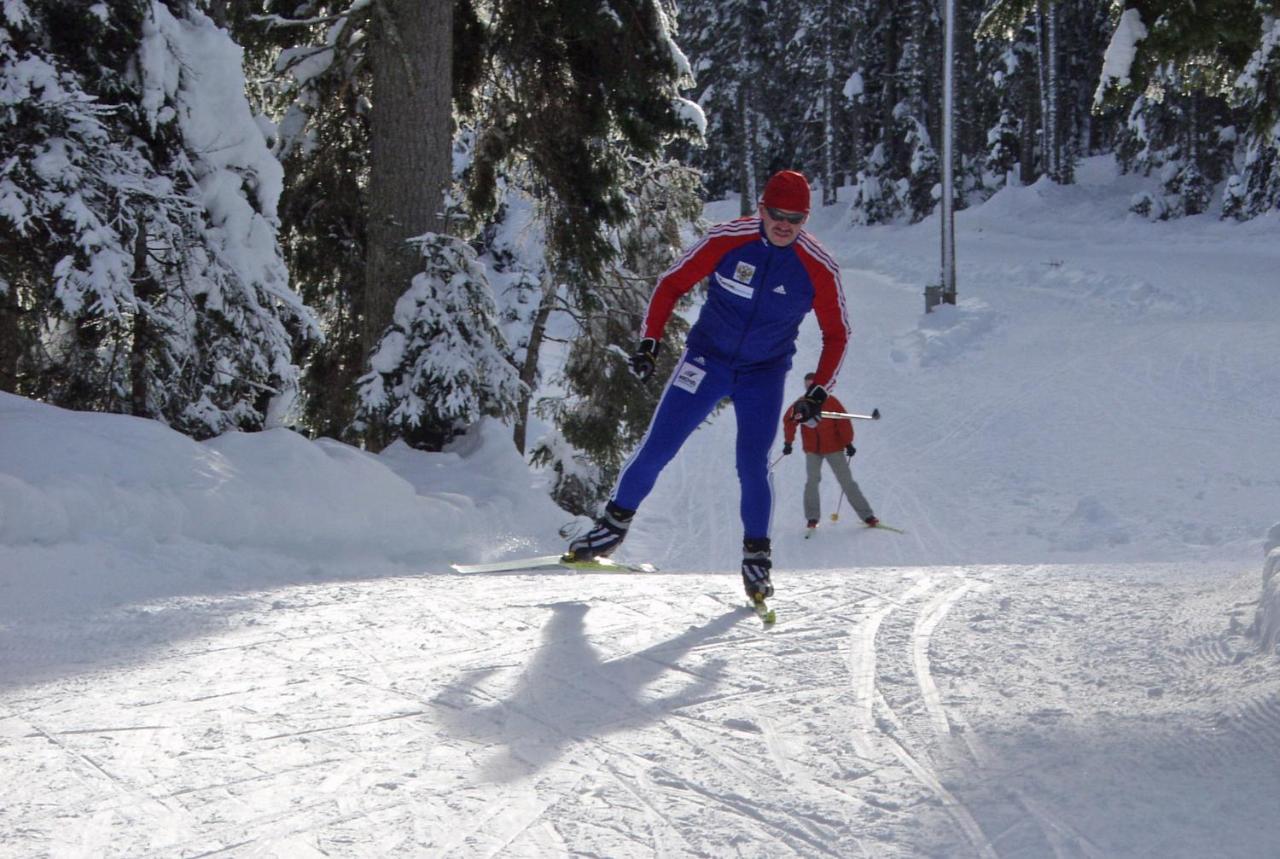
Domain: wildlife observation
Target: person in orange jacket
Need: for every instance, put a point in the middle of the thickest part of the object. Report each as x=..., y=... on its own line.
x=830, y=439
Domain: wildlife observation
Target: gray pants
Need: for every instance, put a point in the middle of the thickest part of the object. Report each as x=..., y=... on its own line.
x=840, y=465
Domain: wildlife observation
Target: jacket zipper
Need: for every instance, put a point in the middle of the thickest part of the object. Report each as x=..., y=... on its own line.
x=755, y=301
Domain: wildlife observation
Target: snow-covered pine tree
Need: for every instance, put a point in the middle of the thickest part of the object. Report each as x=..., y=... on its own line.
x=1173, y=61
x=739, y=74
x=443, y=363
x=363, y=97
x=574, y=111
x=1007, y=20
x=877, y=195
x=854, y=89
x=1177, y=133
x=312, y=77
x=139, y=224
x=1256, y=188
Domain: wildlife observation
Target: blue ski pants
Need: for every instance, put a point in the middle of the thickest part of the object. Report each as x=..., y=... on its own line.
x=693, y=391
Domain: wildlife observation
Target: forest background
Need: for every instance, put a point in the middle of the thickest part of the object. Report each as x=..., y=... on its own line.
x=382, y=219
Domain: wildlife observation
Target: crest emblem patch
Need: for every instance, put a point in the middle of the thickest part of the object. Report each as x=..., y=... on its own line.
x=744, y=272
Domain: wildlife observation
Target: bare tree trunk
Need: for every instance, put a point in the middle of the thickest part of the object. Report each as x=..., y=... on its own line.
x=1051, y=120
x=750, y=191
x=143, y=336
x=857, y=104
x=889, y=98
x=1045, y=149
x=829, y=107
x=10, y=339
x=411, y=126
x=1027, y=144
x=529, y=370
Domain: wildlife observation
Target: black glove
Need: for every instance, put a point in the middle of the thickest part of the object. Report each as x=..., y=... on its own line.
x=808, y=409
x=850, y=450
x=644, y=359
x=786, y=449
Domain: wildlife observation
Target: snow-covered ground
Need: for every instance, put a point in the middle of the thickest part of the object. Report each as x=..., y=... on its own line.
x=254, y=646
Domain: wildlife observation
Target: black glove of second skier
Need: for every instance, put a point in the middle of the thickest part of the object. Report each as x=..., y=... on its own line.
x=850, y=450
x=786, y=449
x=808, y=409
x=644, y=359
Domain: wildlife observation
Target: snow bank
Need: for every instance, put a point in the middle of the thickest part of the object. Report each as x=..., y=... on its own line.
x=73, y=477
x=1268, y=617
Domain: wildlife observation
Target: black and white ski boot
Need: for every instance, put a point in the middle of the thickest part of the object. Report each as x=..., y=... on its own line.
x=755, y=569
x=605, y=536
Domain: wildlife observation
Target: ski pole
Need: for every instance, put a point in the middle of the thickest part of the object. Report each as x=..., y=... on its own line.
x=835, y=517
x=874, y=416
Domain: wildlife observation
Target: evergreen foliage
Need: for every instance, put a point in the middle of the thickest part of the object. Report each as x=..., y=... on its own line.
x=140, y=271
x=444, y=360
x=606, y=410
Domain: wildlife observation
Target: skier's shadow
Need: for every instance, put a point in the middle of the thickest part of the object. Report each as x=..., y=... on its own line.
x=567, y=694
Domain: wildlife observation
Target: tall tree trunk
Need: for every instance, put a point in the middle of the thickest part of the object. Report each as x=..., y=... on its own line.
x=1051, y=120
x=889, y=95
x=1041, y=68
x=857, y=104
x=10, y=339
x=529, y=369
x=750, y=191
x=411, y=126
x=143, y=337
x=829, y=106
x=1027, y=138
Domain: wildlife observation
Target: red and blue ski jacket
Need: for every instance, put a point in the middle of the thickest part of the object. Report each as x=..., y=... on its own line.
x=757, y=296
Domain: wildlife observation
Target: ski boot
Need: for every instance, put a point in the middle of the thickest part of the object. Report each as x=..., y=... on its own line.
x=755, y=569
x=605, y=536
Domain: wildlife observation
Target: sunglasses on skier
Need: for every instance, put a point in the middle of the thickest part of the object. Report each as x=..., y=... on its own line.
x=779, y=215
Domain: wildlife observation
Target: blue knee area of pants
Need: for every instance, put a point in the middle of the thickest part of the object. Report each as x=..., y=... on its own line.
x=757, y=405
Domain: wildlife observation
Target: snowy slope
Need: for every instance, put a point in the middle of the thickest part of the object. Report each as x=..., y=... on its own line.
x=254, y=647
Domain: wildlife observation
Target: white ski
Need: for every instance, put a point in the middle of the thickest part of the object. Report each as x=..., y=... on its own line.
x=603, y=565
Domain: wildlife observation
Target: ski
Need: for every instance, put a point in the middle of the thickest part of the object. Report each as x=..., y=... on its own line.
x=884, y=527
x=543, y=562
x=763, y=611
x=809, y=532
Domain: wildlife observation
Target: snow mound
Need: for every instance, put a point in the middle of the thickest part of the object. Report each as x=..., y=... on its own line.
x=74, y=477
x=1268, y=617
x=946, y=333
x=1091, y=525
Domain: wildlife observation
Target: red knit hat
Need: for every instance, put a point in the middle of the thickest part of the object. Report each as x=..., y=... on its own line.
x=787, y=190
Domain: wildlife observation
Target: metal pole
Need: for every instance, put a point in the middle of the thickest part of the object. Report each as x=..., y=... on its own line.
x=948, y=157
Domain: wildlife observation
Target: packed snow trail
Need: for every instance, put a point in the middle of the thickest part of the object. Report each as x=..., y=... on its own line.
x=891, y=712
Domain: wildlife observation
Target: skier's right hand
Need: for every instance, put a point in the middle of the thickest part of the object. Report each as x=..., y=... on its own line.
x=644, y=359
x=786, y=449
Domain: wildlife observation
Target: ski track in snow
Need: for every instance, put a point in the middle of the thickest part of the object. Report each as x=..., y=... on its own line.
x=613, y=714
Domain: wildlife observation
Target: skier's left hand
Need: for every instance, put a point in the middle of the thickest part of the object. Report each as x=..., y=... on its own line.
x=808, y=409
x=850, y=450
